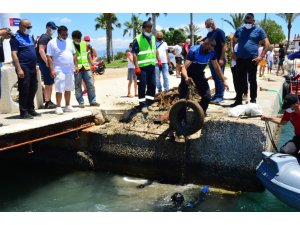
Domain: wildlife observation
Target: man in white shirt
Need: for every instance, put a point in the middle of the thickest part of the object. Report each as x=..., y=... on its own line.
x=162, y=48
x=178, y=58
x=63, y=63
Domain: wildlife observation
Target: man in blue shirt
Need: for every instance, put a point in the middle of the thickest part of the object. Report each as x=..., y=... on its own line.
x=24, y=59
x=248, y=37
x=220, y=49
x=196, y=61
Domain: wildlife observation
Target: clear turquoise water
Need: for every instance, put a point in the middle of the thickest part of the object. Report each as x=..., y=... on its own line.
x=36, y=188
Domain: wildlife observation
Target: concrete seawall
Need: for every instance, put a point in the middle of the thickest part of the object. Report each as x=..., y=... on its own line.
x=225, y=153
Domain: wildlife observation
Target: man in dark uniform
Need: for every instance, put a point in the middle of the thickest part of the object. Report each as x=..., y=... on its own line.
x=197, y=59
x=24, y=59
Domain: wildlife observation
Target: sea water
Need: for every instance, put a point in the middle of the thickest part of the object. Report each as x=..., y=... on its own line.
x=38, y=188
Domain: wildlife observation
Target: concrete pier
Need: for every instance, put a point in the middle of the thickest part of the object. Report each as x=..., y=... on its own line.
x=224, y=153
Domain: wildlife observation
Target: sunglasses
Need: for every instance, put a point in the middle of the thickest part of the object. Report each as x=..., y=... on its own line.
x=29, y=27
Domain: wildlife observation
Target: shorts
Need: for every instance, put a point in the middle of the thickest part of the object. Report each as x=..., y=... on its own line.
x=281, y=60
x=131, y=74
x=45, y=72
x=263, y=62
x=270, y=64
x=178, y=60
x=64, y=81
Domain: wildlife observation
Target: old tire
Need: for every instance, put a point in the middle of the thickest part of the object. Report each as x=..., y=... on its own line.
x=186, y=117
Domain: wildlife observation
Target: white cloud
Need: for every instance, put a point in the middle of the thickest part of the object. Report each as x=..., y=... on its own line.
x=159, y=28
x=100, y=43
x=65, y=20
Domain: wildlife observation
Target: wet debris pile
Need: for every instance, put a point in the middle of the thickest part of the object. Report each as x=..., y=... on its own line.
x=165, y=99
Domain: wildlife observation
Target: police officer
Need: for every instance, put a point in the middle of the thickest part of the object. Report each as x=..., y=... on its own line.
x=144, y=57
x=24, y=59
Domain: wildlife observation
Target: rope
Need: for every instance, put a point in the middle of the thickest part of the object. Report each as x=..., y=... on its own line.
x=269, y=132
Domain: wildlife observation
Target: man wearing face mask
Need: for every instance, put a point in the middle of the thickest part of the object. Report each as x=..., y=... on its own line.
x=248, y=37
x=43, y=64
x=62, y=62
x=162, y=48
x=291, y=105
x=144, y=57
x=24, y=59
x=197, y=59
x=84, y=65
x=220, y=49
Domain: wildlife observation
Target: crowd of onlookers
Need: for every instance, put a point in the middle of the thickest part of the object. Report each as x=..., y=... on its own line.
x=69, y=63
x=64, y=62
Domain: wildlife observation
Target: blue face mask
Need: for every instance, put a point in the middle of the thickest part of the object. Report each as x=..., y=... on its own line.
x=290, y=110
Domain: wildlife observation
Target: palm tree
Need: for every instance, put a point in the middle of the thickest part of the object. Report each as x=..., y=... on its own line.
x=195, y=29
x=154, y=16
x=134, y=25
x=106, y=21
x=289, y=19
x=237, y=20
x=192, y=28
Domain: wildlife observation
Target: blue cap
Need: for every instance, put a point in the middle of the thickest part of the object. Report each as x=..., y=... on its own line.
x=52, y=25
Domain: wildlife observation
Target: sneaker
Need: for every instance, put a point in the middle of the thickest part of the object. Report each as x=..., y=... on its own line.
x=84, y=93
x=50, y=105
x=95, y=104
x=26, y=116
x=144, y=110
x=69, y=108
x=236, y=103
x=216, y=101
x=81, y=105
x=253, y=100
x=59, y=111
x=34, y=113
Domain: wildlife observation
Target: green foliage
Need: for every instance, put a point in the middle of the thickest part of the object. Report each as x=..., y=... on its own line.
x=117, y=64
x=173, y=36
x=237, y=20
x=119, y=55
x=228, y=54
x=273, y=31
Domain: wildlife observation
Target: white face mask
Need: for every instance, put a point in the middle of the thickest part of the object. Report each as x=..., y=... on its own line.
x=147, y=34
x=52, y=32
x=290, y=110
x=87, y=42
x=27, y=31
x=61, y=39
x=209, y=29
x=77, y=43
x=248, y=25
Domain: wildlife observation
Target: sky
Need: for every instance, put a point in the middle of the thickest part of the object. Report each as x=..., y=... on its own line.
x=85, y=22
